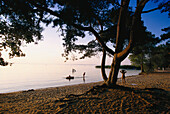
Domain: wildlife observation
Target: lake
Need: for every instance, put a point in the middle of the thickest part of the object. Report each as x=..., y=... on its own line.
x=19, y=77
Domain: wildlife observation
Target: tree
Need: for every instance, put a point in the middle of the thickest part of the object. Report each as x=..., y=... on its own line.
x=106, y=20
x=150, y=53
x=142, y=51
x=161, y=56
x=19, y=23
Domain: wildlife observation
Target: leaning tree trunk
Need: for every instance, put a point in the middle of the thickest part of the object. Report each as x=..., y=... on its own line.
x=114, y=71
x=111, y=81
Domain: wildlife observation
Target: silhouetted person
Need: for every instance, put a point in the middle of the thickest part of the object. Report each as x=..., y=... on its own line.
x=84, y=76
x=123, y=76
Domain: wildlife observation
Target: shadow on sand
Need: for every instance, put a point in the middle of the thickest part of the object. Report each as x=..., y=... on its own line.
x=120, y=98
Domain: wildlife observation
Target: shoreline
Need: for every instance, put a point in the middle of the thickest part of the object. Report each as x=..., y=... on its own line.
x=15, y=91
x=145, y=90
x=128, y=78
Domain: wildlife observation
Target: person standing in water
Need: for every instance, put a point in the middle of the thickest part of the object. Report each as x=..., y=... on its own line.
x=123, y=76
x=84, y=76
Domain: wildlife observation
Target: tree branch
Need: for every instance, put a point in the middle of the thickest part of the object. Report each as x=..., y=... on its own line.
x=120, y=35
x=123, y=54
x=157, y=7
x=101, y=26
x=142, y=3
x=43, y=8
x=137, y=2
x=99, y=39
x=81, y=27
x=90, y=29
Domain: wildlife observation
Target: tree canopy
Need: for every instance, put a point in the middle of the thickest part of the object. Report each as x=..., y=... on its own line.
x=20, y=22
x=150, y=53
x=140, y=54
x=109, y=21
x=161, y=56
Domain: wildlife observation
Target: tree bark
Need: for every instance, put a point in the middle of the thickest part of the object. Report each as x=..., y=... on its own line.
x=121, y=26
x=111, y=81
x=142, y=70
x=103, y=66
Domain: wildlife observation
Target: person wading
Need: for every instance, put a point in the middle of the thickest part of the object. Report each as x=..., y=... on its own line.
x=84, y=76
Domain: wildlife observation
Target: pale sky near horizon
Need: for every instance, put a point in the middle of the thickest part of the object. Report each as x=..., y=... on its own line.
x=50, y=49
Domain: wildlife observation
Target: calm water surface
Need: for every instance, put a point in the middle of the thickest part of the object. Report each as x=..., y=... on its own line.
x=34, y=76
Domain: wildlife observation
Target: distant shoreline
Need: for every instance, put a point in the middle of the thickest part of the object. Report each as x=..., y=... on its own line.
x=122, y=67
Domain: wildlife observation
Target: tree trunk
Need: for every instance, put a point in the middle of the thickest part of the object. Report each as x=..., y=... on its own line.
x=111, y=81
x=142, y=69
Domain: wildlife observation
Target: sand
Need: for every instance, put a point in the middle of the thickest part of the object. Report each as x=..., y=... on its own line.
x=149, y=93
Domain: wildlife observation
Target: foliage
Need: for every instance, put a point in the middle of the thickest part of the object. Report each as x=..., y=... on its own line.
x=166, y=35
x=21, y=23
x=109, y=21
x=161, y=56
x=2, y=62
x=140, y=54
x=150, y=54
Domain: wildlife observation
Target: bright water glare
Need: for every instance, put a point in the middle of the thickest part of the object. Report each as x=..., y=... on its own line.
x=21, y=77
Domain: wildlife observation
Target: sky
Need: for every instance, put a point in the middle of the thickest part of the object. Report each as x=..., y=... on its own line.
x=50, y=49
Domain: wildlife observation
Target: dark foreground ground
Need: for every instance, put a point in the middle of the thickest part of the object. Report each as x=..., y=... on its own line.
x=141, y=94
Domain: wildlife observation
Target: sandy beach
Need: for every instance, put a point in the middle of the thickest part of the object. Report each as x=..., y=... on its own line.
x=149, y=93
